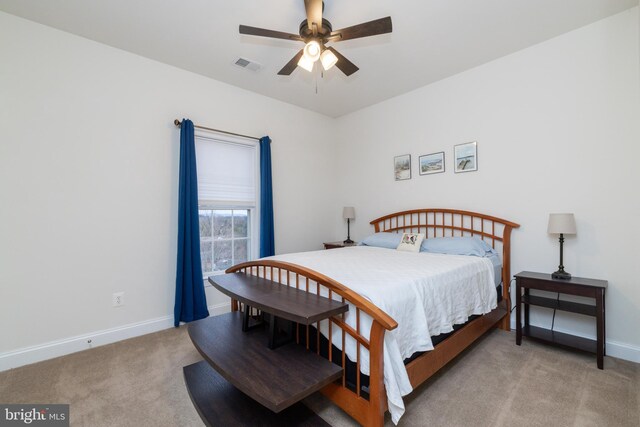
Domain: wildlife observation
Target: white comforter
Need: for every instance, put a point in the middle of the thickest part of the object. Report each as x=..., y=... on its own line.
x=425, y=293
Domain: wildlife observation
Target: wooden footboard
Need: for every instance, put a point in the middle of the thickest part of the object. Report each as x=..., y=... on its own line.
x=367, y=410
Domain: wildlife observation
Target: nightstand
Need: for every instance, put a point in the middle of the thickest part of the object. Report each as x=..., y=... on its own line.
x=579, y=286
x=335, y=245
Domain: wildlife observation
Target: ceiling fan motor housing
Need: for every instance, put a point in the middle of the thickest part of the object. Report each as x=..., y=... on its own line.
x=306, y=32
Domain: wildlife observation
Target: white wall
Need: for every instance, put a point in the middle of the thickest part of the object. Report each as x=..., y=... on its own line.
x=557, y=130
x=89, y=159
x=88, y=182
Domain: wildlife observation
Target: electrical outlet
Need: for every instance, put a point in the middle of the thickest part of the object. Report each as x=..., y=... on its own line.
x=118, y=299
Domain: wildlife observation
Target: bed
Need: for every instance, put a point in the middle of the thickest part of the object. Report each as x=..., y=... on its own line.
x=383, y=360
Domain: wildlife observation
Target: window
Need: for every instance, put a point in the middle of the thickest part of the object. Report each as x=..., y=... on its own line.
x=227, y=192
x=225, y=238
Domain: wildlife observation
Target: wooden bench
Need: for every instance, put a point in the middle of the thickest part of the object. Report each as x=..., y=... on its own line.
x=273, y=373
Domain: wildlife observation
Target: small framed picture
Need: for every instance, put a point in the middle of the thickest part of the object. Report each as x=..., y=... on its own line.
x=431, y=163
x=465, y=157
x=402, y=167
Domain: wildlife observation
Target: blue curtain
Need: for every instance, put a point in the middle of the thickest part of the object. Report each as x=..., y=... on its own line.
x=267, y=243
x=191, y=303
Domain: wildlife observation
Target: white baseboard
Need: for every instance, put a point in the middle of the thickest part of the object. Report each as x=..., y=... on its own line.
x=613, y=348
x=38, y=353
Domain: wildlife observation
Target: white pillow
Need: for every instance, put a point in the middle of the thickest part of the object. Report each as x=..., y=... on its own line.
x=410, y=242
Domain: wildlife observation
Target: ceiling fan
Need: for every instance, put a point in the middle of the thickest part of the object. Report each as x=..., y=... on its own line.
x=316, y=32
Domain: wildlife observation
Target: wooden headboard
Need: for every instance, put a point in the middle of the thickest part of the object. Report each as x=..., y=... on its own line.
x=455, y=223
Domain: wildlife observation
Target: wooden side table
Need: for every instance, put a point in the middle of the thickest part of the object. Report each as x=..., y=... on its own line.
x=579, y=286
x=335, y=245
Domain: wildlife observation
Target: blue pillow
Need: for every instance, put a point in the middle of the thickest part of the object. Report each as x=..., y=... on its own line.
x=383, y=240
x=457, y=246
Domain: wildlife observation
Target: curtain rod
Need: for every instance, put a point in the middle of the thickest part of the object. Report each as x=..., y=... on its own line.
x=178, y=123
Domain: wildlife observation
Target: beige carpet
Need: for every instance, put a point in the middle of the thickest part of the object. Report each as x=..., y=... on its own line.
x=139, y=382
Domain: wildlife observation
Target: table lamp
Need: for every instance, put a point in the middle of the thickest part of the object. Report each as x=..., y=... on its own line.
x=348, y=213
x=563, y=223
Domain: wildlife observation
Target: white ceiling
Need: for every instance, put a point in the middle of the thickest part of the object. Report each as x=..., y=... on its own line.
x=431, y=39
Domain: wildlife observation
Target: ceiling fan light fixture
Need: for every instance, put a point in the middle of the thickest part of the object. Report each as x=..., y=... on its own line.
x=306, y=63
x=314, y=32
x=328, y=59
x=312, y=50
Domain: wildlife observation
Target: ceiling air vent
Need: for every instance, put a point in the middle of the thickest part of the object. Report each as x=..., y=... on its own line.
x=247, y=64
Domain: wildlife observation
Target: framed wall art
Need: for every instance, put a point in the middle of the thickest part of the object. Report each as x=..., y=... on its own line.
x=431, y=163
x=402, y=167
x=465, y=157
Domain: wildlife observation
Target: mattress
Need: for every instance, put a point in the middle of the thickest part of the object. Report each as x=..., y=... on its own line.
x=426, y=293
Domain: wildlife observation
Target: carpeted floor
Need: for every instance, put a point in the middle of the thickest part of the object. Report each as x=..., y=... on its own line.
x=138, y=382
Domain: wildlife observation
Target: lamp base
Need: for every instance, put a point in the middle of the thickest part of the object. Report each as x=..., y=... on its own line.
x=348, y=241
x=561, y=274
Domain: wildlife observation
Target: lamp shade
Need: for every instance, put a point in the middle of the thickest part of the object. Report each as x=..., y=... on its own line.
x=312, y=50
x=306, y=63
x=349, y=213
x=562, y=223
x=328, y=59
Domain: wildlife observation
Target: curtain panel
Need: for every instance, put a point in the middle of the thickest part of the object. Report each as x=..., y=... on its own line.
x=267, y=240
x=191, y=302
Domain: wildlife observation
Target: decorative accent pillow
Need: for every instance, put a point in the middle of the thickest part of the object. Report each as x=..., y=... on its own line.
x=410, y=242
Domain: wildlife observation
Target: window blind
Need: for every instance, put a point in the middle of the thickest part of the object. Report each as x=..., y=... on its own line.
x=226, y=172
